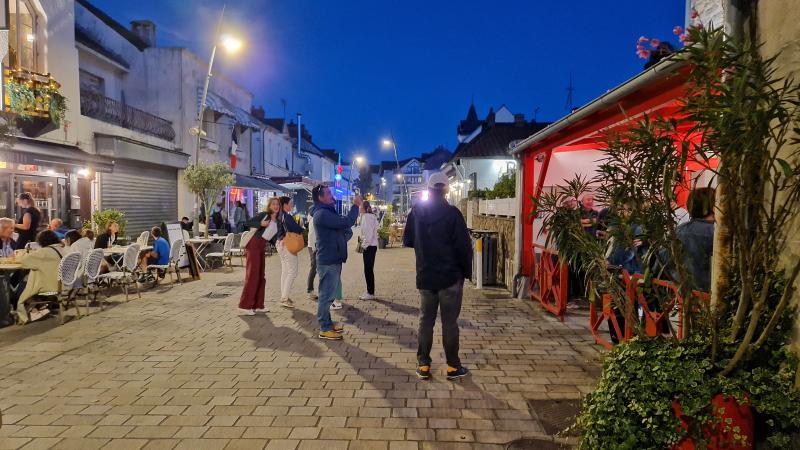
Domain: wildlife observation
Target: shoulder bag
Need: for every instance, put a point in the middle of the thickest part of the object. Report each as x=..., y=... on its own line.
x=293, y=242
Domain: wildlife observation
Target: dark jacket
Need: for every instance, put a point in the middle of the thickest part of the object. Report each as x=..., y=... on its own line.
x=102, y=240
x=697, y=237
x=333, y=231
x=441, y=242
x=286, y=223
x=255, y=222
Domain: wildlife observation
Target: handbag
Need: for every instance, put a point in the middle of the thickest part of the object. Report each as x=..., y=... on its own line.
x=270, y=231
x=293, y=242
x=359, y=246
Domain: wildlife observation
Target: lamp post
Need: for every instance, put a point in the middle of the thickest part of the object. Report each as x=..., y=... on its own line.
x=391, y=143
x=231, y=44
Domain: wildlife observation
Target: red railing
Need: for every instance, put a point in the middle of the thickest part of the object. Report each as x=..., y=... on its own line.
x=550, y=276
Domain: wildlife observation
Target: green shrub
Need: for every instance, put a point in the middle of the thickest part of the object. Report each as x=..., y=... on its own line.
x=101, y=219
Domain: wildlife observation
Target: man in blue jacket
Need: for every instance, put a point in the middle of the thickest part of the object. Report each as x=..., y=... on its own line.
x=332, y=231
x=437, y=232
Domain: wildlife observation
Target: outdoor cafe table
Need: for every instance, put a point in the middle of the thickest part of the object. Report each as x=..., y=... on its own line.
x=120, y=250
x=201, y=244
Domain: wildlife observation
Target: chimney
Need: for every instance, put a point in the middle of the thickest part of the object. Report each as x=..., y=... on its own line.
x=519, y=119
x=258, y=111
x=145, y=30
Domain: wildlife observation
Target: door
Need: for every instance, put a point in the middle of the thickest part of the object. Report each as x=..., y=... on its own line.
x=48, y=195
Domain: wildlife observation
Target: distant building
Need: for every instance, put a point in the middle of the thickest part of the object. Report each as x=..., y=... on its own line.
x=482, y=153
x=404, y=188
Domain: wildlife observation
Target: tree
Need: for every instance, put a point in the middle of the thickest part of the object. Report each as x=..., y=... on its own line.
x=206, y=181
x=365, y=180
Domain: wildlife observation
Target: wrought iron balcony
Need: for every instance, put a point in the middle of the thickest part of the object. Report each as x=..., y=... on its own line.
x=112, y=111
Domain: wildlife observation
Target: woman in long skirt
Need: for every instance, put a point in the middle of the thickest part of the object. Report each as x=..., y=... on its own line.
x=252, y=299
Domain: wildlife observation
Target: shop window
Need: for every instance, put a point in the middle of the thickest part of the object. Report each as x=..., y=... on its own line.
x=22, y=36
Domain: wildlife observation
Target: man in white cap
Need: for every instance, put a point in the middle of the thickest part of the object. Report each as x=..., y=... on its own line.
x=440, y=238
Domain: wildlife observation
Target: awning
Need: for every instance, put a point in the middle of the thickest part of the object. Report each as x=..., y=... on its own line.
x=261, y=184
x=296, y=183
x=29, y=151
x=219, y=104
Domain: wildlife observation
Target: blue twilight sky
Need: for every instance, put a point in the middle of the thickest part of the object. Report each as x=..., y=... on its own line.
x=360, y=69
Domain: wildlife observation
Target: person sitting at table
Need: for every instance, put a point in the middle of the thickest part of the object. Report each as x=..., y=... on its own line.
x=159, y=255
x=88, y=234
x=75, y=242
x=7, y=243
x=186, y=224
x=57, y=226
x=42, y=277
x=28, y=223
x=107, y=238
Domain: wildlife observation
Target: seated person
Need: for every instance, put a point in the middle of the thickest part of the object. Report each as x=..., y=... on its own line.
x=186, y=224
x=75, y=242
x=108, y=237
x=57, y=226
x=159, y=255
x=43, y=273
x=7, y=243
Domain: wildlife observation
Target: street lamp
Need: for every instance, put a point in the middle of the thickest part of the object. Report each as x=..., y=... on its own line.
x=387, y=143
x=232, y=45
x=357, y=160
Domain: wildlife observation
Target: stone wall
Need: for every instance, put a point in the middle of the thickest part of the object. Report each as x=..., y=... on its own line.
x=505, y=245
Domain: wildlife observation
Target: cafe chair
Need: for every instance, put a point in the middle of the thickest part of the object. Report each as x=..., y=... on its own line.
x=94, y=285
x=67, y=275
x=225, y=255
x=175, y=254
x=238, y=251
x=143, y=239
x=127, y=276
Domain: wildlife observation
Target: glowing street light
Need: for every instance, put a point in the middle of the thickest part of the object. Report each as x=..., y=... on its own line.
x=230, y=43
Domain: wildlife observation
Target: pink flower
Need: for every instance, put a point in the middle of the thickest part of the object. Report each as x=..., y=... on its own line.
x=695, y=14
x=683, y=38
x=639, y=47
x=677, y=30
x=643, y=39
x=643, y=54
x=655, y=43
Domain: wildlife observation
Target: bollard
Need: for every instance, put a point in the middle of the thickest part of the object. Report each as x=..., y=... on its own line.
x=479, y=263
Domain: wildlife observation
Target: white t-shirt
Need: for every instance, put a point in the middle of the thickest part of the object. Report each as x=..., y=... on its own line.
x=369, y=230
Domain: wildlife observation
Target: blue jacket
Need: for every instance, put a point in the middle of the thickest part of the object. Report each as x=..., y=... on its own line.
x=286, y=223
x=333, y=231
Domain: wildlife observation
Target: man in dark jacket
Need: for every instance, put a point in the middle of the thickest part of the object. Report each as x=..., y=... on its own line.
x=440, y=238
x=332, y=231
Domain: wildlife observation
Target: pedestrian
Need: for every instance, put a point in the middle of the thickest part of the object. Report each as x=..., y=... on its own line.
x=312, y=254
x=369, y=245
x=28, y=223
x=239, y=217
x=332, y=230
x=252, y=298
x=437, y=232
x=697, y=238
x=286, y=224
x=216, y=216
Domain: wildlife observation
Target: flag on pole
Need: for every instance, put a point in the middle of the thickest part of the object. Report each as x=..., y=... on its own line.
x=234, y=147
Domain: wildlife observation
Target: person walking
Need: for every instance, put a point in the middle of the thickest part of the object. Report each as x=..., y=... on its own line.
x=312, y=254
x=29, y=220
x=369, y=244
x=437, y=232
x=332, y=230
x=286, y=224
x=239, y=217
x=252, y=298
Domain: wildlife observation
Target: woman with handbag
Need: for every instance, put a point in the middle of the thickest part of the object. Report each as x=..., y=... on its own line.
x=368, y=243
x=290, y=242
x=263, y=229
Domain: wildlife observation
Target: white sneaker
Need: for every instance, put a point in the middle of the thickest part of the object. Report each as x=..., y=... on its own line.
x=336, y=304
x=246, y=312
x=263, y=310
x=367, y=297
x=312, y=296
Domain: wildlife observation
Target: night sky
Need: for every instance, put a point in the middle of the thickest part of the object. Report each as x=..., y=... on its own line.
x=359, y=70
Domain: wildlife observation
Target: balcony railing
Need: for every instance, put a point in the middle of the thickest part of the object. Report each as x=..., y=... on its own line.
x=112, y=111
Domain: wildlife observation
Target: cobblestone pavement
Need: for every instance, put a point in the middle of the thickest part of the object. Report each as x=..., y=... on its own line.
x=179, y=369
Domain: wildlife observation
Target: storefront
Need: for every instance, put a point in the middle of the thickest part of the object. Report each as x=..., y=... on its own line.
x=301, y=188
x=254, y=193
x=60, y=179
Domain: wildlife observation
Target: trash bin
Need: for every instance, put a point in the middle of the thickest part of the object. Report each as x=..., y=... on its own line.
x=488, y=256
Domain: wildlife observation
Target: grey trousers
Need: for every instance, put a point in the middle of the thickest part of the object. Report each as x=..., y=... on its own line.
x=447, y=300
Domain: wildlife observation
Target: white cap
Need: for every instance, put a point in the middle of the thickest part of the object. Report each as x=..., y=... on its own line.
x=438, y=178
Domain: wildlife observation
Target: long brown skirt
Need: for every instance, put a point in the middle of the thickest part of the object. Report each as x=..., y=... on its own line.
x=254, y=281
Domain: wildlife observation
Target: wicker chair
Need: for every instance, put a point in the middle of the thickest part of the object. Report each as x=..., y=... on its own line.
x=94, y=285
x=68, y=273
x=238, y=250
x=143, y=239
x=225, y=254
x=173, y=265
x=128, y=275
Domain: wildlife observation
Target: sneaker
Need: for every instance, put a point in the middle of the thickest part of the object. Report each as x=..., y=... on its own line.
x=338, y=328
x=330, y=335
x=336, y=304
x=423, y=372
x=313, y=296
x=262, y=310
x=367, y=297
x=38, y=314
x=246, y=312
x=287, y=303
x=456, y=373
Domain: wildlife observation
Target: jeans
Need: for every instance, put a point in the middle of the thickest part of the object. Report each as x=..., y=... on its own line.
x=312, y=272
x=288, y=270
x=329, y=278
x=449, y=301
x=369, y=266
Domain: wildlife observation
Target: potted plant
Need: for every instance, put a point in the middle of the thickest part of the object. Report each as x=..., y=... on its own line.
x=101, y=219
x=734, y=368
